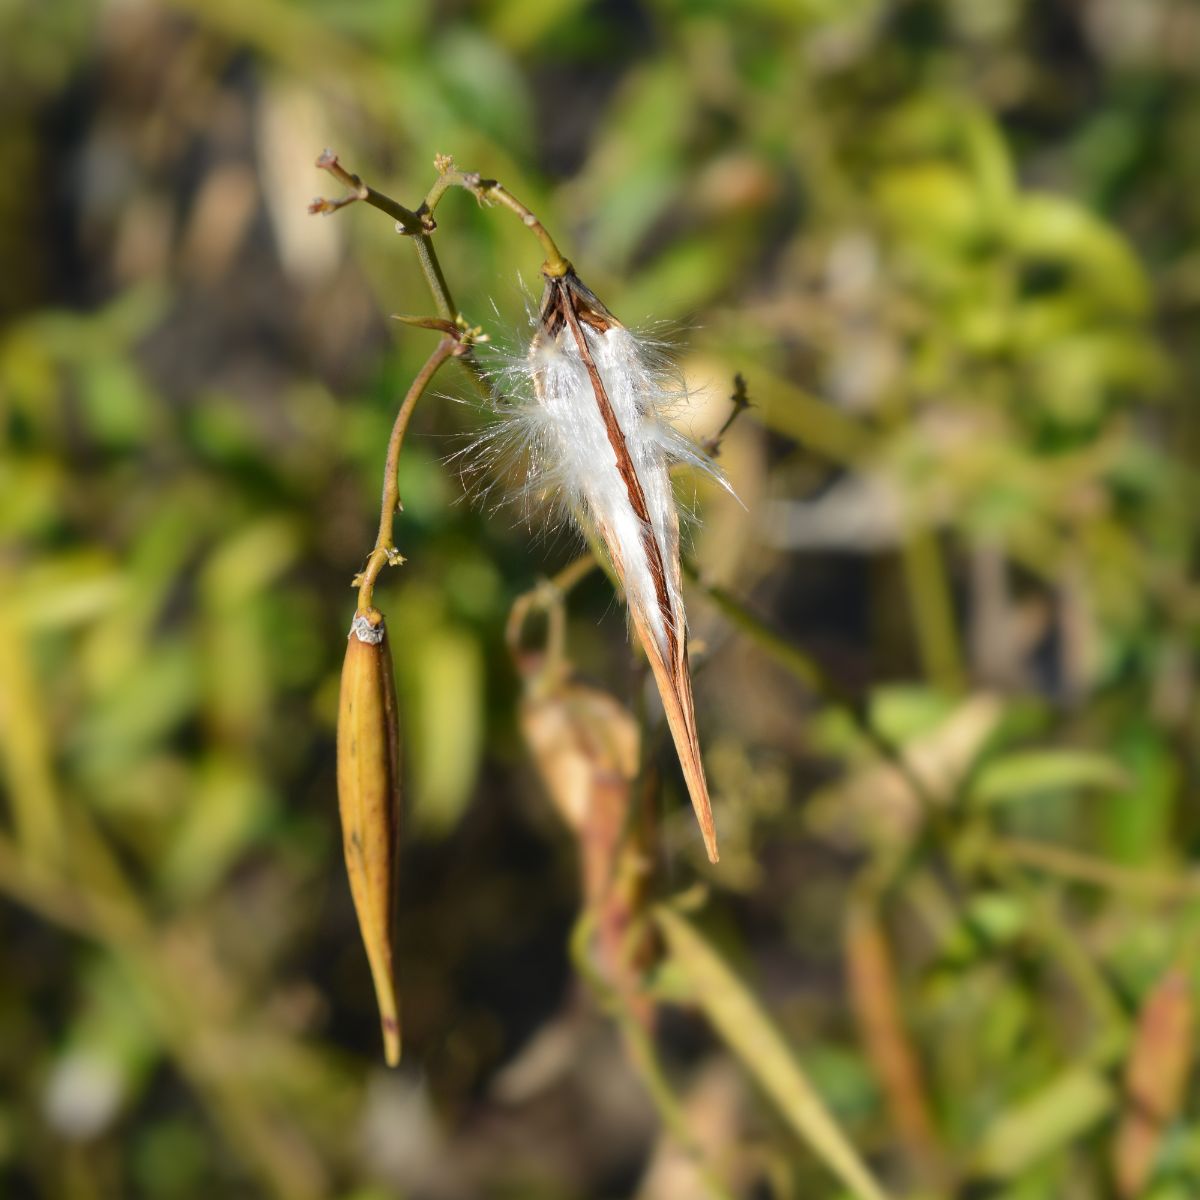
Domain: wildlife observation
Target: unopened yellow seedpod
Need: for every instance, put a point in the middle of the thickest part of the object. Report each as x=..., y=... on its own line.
x=368, y=774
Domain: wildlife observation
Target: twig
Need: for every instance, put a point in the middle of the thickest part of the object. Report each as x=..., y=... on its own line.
x=643, y=1056
x=740, y=401
x=547, y=597
x=407, y=222
x=489, y=191
x=1084, y=868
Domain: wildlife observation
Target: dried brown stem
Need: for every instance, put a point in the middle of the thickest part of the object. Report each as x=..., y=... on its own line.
x=490, y=191
x=407, y=222
x=740, y=400
x=385, y=548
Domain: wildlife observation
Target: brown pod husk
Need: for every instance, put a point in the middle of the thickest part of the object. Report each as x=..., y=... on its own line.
x=1156, y=1074
x=586, y=747
x=568, y=305
x=368, y=774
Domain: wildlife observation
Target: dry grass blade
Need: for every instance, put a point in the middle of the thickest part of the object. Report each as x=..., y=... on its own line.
x=753, y=1037
x=874, y=993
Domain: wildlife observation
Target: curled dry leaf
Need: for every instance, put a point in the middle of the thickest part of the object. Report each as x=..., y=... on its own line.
x=586, y=748
x=368, y=771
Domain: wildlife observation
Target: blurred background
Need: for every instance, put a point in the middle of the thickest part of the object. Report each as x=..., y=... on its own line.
x=945, y=656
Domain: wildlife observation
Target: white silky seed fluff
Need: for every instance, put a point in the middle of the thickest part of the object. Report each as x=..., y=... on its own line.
x=579, y=456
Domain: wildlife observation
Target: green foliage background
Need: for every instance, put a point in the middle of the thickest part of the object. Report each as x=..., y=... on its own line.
x=954, y=248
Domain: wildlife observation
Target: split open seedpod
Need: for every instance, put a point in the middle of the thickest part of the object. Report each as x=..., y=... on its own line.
x=368, y=776
x=604, y=442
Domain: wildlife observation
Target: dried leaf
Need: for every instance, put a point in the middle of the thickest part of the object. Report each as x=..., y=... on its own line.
x=1155, y=1076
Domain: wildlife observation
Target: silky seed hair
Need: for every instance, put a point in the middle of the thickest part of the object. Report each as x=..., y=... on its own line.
x=517, y=459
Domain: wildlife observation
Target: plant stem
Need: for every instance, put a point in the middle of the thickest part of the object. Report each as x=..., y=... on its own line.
x=1075, y=867
x=809, y=674
x=740, y=401
x=407, y=222
x=434, y=276
x=933, y=611
x=488, y=191
x=385, y=547
x=642, y=1055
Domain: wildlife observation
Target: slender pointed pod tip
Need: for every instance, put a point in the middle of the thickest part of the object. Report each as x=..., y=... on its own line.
x=391, y=1040
x=675, y=689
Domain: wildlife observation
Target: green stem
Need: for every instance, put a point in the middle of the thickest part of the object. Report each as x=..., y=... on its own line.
x=642, y=1055
x=933, y=611
x=434, y=277
x=407, y=221
x=1067, y=950
x=1076, y=867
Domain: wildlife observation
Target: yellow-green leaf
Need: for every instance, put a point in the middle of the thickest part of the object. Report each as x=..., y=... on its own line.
x=1050, y=1119
x=1024, y=774
x=750, y=1033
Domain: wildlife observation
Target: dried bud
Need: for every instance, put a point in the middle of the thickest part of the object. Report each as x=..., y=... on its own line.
x=368, y=773
x=585, y=745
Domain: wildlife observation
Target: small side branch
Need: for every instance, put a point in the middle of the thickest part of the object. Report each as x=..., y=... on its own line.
x=405, y=218
x=490, y=191
x=740, y=401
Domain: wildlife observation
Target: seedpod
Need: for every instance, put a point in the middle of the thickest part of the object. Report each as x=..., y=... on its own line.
x=368, y=774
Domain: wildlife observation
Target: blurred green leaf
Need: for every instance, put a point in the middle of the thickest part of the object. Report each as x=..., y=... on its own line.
x=440, y=673
x=1049, y=1120
x=228, y=807
x=1106, y=273
x=1021, y=774
x=739, y=1019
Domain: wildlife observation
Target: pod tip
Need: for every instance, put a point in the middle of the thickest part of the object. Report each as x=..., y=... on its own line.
x=391, y=1039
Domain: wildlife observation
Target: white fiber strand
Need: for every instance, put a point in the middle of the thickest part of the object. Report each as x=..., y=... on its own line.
x=575, y=435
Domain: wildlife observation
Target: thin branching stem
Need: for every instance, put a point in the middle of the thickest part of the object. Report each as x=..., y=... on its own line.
x=407, y=222
x=740, y=401
x=1073, y=866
